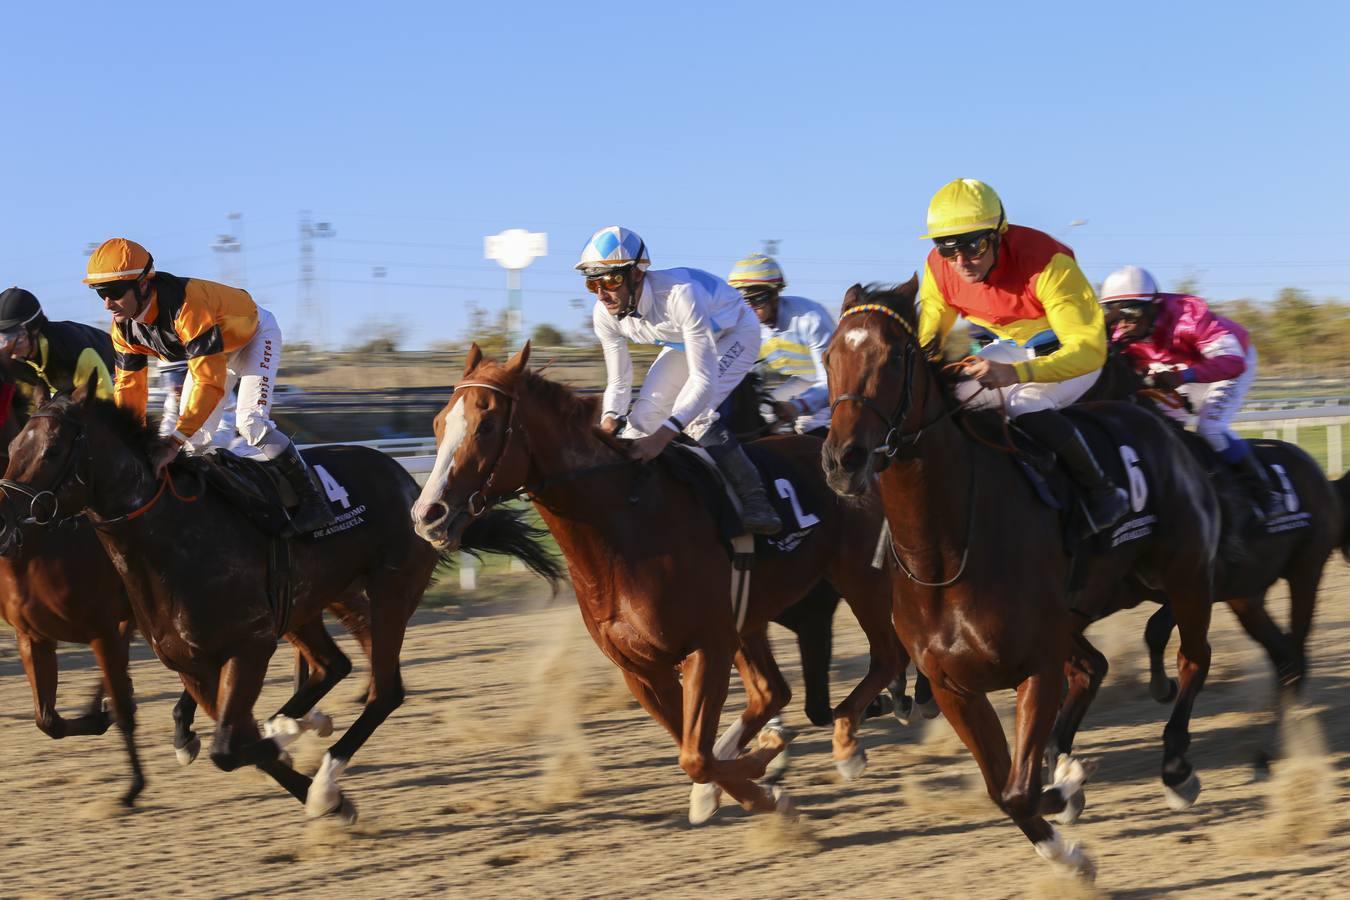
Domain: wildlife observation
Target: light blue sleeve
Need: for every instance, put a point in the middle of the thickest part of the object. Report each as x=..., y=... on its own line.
x=816, y=330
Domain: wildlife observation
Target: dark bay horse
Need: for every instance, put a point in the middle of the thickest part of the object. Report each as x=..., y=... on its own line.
x=651, y=571
x=197, y=574
x=983, y=600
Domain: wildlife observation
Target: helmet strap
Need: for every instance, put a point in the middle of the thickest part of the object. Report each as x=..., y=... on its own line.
x=141, y=289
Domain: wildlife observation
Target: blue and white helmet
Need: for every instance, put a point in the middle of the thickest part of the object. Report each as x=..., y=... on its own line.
x=613, y=248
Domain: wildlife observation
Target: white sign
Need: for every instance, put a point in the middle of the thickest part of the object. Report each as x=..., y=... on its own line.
x=515, y=248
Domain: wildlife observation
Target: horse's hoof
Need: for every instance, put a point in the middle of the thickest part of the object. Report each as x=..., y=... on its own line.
x=851, y=767
x=1183, y=795
x=188, y=752
x=129, y=798
x=704, y=801
x=1072, y=809
x=319, y=722
x=904, y=709
x=1261, y=765
x=1068, y=857
x=929, y=709
x=777, y=767
x=1164, y=690
x=346, y=812
x=285, y=759
x=782, y=803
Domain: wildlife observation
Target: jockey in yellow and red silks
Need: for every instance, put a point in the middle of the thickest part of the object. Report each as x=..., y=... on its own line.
x=1027, y=288
x=223, y=336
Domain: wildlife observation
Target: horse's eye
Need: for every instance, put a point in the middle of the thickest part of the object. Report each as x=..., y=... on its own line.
x=485, y=428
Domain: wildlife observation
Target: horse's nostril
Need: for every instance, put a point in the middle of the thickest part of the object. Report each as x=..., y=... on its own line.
x=853, y=459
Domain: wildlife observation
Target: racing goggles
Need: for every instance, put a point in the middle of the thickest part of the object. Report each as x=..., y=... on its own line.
x=971, y=246
x=9, y=336
x=112, y=290
x=1131, y=310
x=759, y=296
x=608, y=280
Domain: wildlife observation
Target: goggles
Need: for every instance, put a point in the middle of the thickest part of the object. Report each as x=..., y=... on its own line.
x=1134, y=310
x=759, y=296
x=971, y=246
x=9, y=336
x=112, y=290
x=608, y=280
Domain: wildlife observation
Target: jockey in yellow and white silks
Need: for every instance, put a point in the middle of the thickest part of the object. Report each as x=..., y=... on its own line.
x=1026, y=287
x=710, y=340
x=223, y=336
x=794, y=333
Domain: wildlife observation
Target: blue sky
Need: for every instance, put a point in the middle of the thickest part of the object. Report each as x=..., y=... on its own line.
x=1195, y=139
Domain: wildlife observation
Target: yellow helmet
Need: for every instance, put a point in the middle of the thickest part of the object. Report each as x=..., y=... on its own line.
x=963, y=206
x=757, y=270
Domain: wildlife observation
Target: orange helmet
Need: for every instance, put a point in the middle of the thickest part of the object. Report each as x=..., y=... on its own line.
x=118, y=259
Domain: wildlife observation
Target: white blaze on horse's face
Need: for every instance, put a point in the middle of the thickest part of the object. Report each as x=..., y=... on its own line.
x=453, y=432
x=856, y=337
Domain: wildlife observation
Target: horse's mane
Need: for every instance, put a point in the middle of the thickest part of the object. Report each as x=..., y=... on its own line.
x=125, y=424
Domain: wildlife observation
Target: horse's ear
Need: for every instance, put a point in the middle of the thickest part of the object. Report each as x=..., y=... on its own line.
x=911, y=288
x=853, y=296
x=85, y=393
x=473, y=359
x=41, y=396
x=517, y=363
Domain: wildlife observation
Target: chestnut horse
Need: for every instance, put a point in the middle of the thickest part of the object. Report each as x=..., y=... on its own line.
x=651, y=571
x=197, y=575
x=983, y=575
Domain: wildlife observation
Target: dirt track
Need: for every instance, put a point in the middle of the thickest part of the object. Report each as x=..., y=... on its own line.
x=518, y=767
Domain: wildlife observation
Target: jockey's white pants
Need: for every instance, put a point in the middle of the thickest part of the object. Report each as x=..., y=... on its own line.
x=253, y=368
x=1031, y=396
x=737, y=349
x=1216, y=403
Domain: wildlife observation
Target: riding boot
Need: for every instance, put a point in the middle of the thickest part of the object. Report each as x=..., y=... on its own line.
x=313, y=513
x=1105, y=502
x=1252, y=476
x=756, y=512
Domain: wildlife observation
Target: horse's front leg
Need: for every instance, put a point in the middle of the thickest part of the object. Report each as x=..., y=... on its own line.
x=39, y=664
x=112, y=654
x=883, y=668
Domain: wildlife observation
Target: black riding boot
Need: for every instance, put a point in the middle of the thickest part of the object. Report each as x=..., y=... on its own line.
x=313, y=513
x=757, y=513
x=1252, y=476
x=1105, y=502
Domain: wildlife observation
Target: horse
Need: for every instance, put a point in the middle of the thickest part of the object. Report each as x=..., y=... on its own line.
x=811, y=619
x=1254, y=557
x=983, y=574
x=199, y=576
x=651, y=569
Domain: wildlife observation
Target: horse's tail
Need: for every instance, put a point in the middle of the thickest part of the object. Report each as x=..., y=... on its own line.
x=509, y=532
x=1343, y=491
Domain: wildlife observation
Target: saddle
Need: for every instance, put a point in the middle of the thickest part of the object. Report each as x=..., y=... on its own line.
x=255, y=489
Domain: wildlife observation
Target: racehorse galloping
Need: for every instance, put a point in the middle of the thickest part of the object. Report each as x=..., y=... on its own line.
x=197, y=573
x=983, y=601
x=651, y=572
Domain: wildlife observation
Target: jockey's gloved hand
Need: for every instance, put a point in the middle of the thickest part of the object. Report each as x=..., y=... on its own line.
x=786, y=410
x=162, y=452
x=1165, y=381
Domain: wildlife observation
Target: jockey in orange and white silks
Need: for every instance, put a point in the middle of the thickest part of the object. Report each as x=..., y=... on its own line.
x=710, y=340
x=1179, y=344
x=223, y=336
x=1026, y=287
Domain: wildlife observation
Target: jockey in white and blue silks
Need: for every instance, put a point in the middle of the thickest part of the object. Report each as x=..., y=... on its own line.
x=794, y=333
x=710, y=340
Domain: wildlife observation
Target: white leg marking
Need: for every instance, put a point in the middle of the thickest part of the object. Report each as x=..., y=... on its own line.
x=854, y=337
x=704, y=799
x=324, y=795
x=1067, y=856
x=283, y=730
x=455, y=430
x=728, y=746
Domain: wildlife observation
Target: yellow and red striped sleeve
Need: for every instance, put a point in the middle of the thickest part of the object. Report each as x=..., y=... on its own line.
x=131, y=377
x=936, y=316
x=1074, y=315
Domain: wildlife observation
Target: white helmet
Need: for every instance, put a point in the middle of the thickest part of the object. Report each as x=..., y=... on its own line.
x=613, y=248
x=1129, y=284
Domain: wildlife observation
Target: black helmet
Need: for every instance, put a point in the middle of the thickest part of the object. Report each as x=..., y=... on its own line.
x=18, y=307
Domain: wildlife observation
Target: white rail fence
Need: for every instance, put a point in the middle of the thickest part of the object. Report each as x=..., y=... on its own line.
x=1282, y=419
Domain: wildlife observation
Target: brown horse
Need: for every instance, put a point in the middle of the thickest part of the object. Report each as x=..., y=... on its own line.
x=650, y=568
x=197, y=574
x=983, y=573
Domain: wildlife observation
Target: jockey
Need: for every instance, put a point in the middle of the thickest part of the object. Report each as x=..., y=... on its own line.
x=1026, y=287
x=1179, y=344
x=224, y=337
x=710, y=339
x=55, y=356
x=794, y=333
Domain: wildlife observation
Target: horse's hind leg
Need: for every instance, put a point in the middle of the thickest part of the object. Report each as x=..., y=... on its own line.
x=186, y=744
x=1157, y=633
x=1085, y=671
x=112, y=653
x=326, y=664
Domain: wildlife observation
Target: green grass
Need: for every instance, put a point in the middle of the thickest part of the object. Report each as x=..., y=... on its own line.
x=1312, y=438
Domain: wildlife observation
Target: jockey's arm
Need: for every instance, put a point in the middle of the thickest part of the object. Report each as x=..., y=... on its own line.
x=200, y=333
x=1223, y=356
x=817, y=330
x=131, y=376
x=936, y=318
x=700, y=351
x=1075, y=316
x=618, y=365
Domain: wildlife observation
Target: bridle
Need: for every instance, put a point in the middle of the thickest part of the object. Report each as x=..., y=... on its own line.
x=895, y=440
x=479, y=502
x=78, y=451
